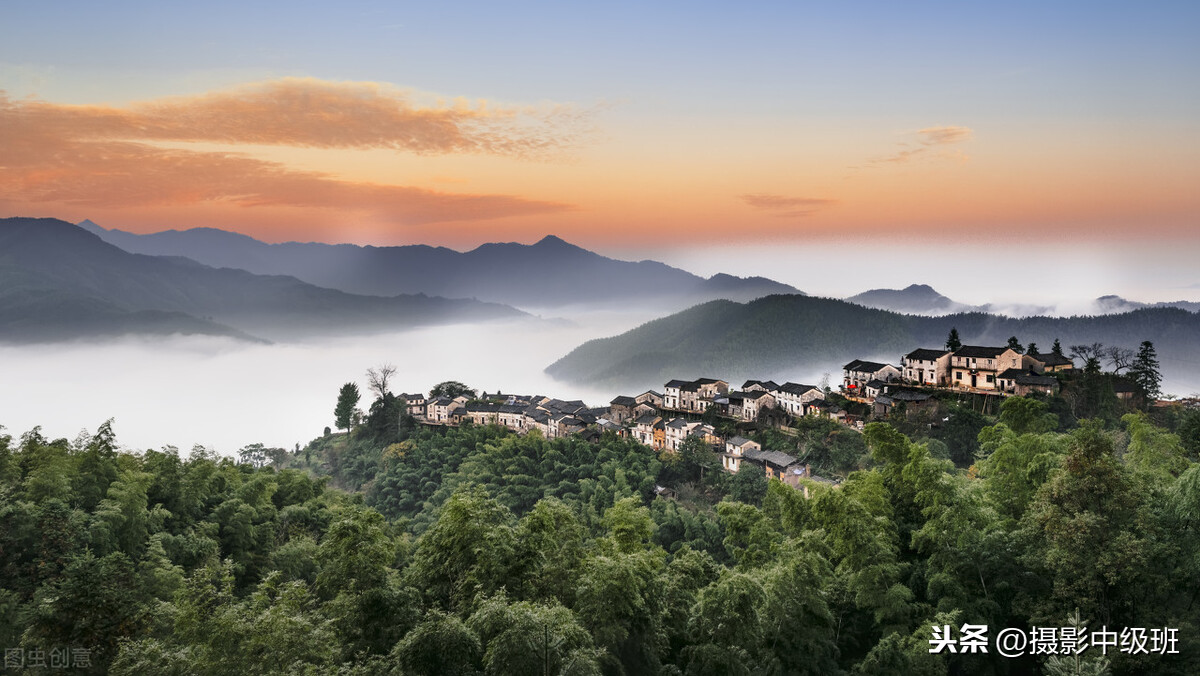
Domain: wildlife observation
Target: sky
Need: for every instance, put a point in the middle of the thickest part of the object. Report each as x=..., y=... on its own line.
x=725, y=136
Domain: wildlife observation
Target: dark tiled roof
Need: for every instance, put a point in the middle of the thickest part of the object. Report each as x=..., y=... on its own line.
x=768, y=384
x=875, y=384
x=1009, y=374
x=755, y=394
x=709, y=381
x=1051, y=359
x=647, y=419
x=738, y=440
x=925, y=354
x=676, y=384
x=677, y=423
x=777, y=458
x=864, y=366
x=977, y=351
x=623, y=401
x=1036, y=380
x=795, y=388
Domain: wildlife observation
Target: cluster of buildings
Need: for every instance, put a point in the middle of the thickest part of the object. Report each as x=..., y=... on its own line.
x=663, y=421
x=972, y=368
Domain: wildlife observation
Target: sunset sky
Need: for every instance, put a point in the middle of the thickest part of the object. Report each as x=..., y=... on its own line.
x=629, y=128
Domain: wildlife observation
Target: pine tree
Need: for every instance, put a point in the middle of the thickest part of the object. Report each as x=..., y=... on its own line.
x=952, y=341
x=1145, y=370
x=1032, y=350
x=347, y=400
x=1056, y=349
x=1015, y=345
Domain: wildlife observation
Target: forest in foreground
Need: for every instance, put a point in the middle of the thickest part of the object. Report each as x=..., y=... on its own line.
x=402, y=549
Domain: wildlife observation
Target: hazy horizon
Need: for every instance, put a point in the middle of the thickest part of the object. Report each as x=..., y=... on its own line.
x=225, y=394
x=1044, y=277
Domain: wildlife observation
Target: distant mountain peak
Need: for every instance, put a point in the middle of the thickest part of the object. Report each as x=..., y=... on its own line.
x=914, y=298
x=556, y=243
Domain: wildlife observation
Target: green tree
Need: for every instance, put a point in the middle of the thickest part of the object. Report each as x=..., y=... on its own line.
x=696, y=456
x=452, y=389
x=953, y=343
x=441, y=645
x=1015, y=345
x=1085, y=536
x=1032, y=350
x=749, y=484
x=528, y=638
x=728, y=613
x=1023, y=415
x=96, y=603
x=346, y=402
x=1057, y=348
x=1145, y=370
x=466, y=554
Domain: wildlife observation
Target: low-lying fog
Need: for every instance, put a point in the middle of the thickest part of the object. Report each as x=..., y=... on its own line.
x=224, y=394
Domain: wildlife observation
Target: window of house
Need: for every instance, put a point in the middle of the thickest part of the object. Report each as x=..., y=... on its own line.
x=990, y=378
x=958, y=375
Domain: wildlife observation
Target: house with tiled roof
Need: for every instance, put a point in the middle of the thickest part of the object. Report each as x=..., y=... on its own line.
x=673, y=393
x=927, y=367
x=775, y=464
x=735, y=449
x=675, y=431
x=795, y=397
x=764, y=385
x=912, y=400
x=1051, y=363
x=1026, y=382
x=650, y=397
x=440, y=409
x=643, y=428
x=858, y=373
x=977, y=367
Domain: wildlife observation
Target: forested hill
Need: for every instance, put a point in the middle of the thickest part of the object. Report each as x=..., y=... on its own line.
x=476, y=551
x=549, y=273
x=778, y=336
x=62, y=282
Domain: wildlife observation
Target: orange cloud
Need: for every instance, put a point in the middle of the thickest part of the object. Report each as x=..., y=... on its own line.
x=931, y=136
x=786, y=207
x=104, y=157
x=925, y=139
x=319, y=114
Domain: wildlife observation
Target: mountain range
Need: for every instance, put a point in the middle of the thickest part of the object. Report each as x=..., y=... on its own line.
x=550, y=273
x=59, y=281
x=790, y=336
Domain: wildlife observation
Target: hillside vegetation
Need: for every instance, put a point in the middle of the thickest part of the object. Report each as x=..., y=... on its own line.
x=779, y=335
x=473, y=550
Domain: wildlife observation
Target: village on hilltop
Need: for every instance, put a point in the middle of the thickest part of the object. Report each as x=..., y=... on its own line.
x=707, y=409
